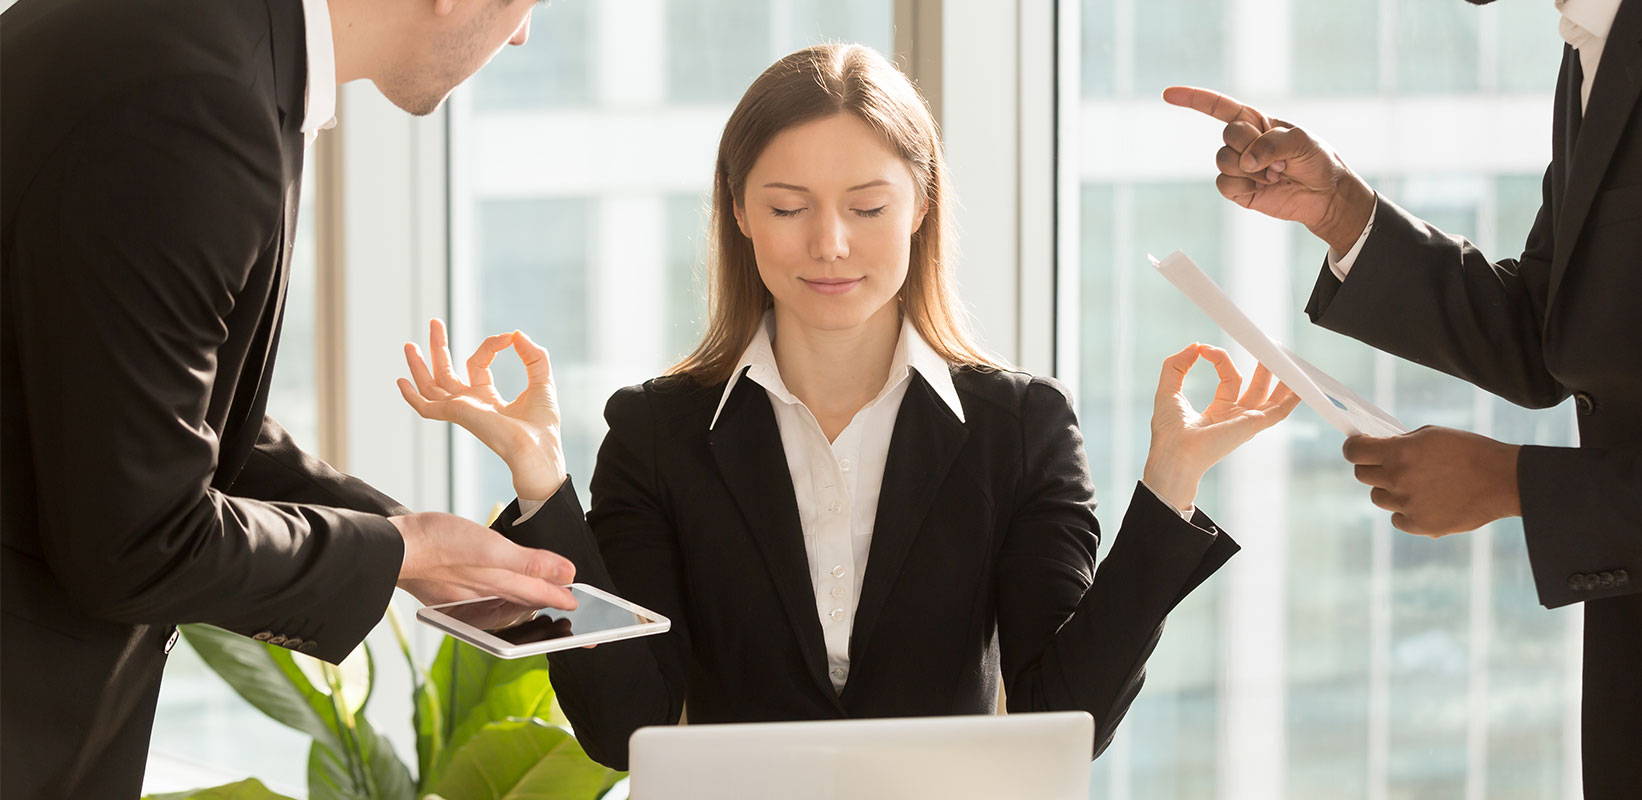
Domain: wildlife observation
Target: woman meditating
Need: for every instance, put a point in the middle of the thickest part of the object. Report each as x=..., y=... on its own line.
x=845, y=506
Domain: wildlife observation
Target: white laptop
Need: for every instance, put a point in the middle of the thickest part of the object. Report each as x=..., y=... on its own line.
x=1038, y=756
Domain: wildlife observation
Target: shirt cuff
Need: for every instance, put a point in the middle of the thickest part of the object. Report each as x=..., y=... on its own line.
x=1341, y=265
x=528, y=509
x=1185, y=514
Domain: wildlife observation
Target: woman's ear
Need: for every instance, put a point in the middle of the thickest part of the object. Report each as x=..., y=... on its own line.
x=741, y=219
x=918, y=221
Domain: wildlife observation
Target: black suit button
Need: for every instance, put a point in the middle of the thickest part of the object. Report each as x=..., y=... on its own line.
x=276, y=639
x=308, y=647
x=262, y=636
x=1605, y=580
x=1621, y=577
x=1585, y=404
x=1576, y=581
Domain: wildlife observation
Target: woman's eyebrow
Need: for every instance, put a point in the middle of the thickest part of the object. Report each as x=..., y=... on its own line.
x=867, y=185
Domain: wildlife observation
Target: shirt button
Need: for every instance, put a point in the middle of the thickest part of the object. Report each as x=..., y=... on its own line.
x=839, y=672
x=835, y=614
x=834, y=506
x=839, y=571
x=837, y=591
x=846, y=465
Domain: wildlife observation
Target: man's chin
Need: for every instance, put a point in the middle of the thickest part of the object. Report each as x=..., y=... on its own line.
x=415, y=103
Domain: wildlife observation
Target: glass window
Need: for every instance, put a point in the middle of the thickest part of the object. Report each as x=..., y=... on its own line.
x=720, y=73
x=512, y=80
x=1336, y=48
x=1178, y=41
x=1391, y=665
x=1435, y=49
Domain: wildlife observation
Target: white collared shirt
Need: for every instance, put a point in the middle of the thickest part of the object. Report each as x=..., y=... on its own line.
x=319, y=109
x=1584, y=26
x=837, y=483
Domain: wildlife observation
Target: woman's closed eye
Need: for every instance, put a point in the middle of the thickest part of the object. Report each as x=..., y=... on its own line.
x=870, y=212
x=785, y=212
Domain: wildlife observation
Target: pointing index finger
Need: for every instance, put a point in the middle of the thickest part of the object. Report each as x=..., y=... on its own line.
x=1210, y=102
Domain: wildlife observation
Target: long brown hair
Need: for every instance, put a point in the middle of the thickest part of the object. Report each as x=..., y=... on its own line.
x=812, y=83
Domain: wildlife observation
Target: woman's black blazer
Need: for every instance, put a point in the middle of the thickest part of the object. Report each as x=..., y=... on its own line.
x=982, y=563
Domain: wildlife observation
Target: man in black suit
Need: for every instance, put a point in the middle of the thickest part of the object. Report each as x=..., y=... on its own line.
x=1561, y=319
x=152, y=152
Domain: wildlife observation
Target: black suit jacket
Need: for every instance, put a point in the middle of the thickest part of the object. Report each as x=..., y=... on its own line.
x=1562, y=318
x=982, y=558
x=148, y=192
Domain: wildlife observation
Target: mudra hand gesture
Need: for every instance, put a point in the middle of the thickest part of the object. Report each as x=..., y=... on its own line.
x=1186, y=443
x=524, y=432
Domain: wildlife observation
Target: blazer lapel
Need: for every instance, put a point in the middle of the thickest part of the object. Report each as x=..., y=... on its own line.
x=922, y=449
x=1613, y=98
x=746, y=444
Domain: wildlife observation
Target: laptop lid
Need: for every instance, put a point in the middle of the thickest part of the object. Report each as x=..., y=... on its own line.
x=1041, y=756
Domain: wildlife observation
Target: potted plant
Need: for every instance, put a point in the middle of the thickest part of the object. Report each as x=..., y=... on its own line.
x=486, y=728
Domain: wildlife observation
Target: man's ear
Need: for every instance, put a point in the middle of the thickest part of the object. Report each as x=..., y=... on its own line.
x=741, y=219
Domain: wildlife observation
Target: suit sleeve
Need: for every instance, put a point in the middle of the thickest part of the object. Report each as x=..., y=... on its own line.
x=1436, y=300
x=280, y=471
x=626, y=545
x=1073, y=637
x=1450, y=308
x=130, y=252
x=1582, y=518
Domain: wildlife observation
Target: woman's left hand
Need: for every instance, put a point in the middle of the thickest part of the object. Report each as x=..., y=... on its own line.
x=1186, y=443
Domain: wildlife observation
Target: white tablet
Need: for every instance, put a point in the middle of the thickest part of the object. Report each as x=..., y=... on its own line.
x=506, y=629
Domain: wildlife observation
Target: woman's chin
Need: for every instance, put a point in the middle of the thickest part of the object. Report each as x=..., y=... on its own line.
x=835, y=313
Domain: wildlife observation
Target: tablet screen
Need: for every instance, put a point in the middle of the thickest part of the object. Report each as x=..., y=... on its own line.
x=518, y=624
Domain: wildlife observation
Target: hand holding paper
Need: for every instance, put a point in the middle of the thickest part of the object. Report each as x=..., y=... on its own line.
x=1343, y=408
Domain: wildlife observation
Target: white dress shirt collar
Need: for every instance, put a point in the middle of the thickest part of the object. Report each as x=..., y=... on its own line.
x=1584, y=26
x=911, y=353
x=320, y=110
x=1585, y=18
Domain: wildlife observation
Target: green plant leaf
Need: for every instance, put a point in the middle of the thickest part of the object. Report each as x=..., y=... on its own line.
x=520, y=760
x=428, y=716
x=611, y=778
x=357, y=671
x=369, y=771
x=248, y=789
x=268, y=678
x=474, y=689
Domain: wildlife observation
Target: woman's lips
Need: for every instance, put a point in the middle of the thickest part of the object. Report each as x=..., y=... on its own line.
x=832, y=285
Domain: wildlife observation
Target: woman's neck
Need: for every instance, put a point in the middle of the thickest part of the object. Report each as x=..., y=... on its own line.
x=836, y=373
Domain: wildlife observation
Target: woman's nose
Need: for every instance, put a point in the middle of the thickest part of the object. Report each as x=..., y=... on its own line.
x=830, y=241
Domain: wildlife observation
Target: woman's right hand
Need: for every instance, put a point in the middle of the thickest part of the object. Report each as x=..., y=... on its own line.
x=524, y=432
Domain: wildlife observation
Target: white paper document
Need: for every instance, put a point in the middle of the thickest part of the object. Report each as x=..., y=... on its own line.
x=1343, y=408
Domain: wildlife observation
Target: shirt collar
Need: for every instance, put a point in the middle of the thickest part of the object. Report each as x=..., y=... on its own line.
x=320, y=112
x=1584, y=19
x=911, y=353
